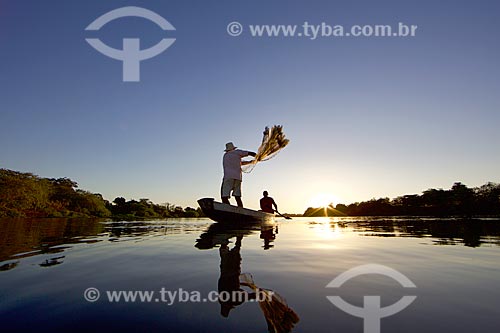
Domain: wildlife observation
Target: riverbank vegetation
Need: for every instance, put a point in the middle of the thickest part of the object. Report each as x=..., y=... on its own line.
x=460, y=200
x=27, y=195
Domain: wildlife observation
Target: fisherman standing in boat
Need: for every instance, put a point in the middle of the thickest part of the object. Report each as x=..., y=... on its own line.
x=231, y=182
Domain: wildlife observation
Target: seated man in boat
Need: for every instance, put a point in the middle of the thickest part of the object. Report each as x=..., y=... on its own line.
x=267, y=203
x=231, y=182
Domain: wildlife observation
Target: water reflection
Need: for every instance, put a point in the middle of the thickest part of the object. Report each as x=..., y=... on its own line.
x=268, y=234
x=229, y=280
x=220, y=233
x=8, y=266
x=280, y=318
x=52, y=261
x=49, y=263
x=21, y=238
x=28, y=237
x=469, y=232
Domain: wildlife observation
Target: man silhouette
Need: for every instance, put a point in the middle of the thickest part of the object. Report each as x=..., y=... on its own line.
x=267, y=203
x=231, y=183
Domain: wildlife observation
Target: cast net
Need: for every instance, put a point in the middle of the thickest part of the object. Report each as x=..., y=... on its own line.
x=273, y=142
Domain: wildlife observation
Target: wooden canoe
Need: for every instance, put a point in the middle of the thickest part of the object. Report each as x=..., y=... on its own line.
x=225, y=213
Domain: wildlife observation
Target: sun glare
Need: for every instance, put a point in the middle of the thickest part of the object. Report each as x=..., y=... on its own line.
x=323, y=200
x=328, y=230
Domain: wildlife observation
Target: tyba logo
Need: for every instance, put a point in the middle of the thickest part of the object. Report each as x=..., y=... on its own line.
x=371, y=311
x=131, y=55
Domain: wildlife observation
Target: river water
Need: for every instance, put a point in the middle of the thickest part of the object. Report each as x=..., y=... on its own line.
x=60, y=275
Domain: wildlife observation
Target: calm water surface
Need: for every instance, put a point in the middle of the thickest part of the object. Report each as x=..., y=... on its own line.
x=46, y=265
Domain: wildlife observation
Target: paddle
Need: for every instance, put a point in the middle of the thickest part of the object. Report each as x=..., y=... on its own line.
x=286, y=217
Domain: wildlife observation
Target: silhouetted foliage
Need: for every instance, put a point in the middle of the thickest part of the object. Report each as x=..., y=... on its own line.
x=27, y=195
x=460, y=200
x=144, y=208
x=324, y=211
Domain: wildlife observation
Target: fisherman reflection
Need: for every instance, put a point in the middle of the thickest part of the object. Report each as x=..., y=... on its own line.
x=268, y=235
x=229, y=280
x=280, y=318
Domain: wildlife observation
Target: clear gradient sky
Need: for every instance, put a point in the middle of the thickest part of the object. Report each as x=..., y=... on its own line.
x=367, y=117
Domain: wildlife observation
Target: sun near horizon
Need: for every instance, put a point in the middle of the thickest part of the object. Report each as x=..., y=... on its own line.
x=323, y=199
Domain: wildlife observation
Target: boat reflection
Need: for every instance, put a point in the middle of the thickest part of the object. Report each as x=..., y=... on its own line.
x=240, y=288
x=218, y=234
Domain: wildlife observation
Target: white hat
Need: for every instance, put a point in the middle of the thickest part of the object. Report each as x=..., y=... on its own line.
x=230, y=146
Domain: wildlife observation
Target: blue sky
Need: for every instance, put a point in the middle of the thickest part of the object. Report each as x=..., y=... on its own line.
x=367, y=117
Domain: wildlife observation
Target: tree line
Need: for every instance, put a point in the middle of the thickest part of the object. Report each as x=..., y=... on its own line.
x=460, y=200
x=28, y=195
